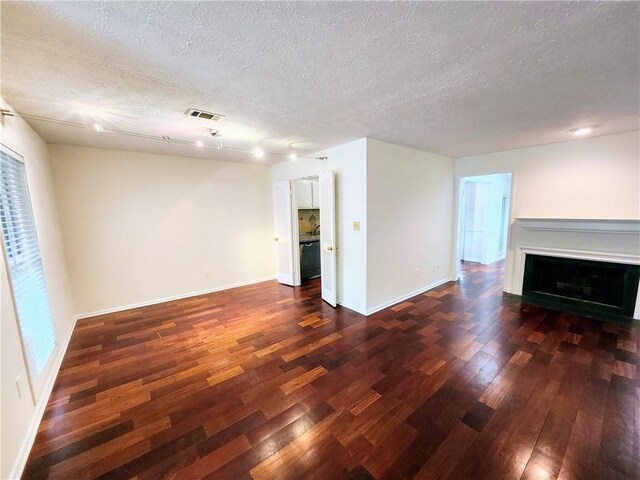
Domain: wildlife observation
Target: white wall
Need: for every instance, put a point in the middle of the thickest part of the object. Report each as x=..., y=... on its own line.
x=21, y=416
x=349, y=161
x=596, y=177
x=589, y=178
x=140, y=228
x=409, y=218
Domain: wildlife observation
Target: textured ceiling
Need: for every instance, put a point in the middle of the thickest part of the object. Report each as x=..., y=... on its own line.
x=452, y=78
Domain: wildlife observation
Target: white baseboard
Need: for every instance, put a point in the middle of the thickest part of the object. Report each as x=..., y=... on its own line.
x=408, y=295
x=30, y=437
x=27, y=444
x=171, y=298
x=359, y=310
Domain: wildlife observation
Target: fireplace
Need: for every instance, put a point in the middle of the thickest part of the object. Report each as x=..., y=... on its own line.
x=595, y=288
x=567, y=261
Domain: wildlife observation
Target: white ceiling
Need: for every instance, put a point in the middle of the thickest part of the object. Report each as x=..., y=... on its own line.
x=453, y=78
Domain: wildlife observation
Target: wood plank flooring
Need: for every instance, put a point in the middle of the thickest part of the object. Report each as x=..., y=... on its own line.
x=267, y=381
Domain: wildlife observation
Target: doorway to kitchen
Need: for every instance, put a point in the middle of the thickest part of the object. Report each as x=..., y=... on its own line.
x=305, y=231
x=483, y=220
x=307, y=199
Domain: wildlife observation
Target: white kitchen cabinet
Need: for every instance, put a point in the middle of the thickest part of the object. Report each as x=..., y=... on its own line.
x=308, y=193
x=304, y=194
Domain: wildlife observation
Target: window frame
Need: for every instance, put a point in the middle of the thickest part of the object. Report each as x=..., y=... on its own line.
x=36, y=382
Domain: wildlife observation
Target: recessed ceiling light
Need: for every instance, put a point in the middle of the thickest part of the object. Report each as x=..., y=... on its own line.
x=258, y=153
x=582, y=131
x=98, y=128
x=293, y=156
x=199, y=144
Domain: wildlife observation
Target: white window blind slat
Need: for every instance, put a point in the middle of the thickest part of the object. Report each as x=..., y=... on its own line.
x=25, y=265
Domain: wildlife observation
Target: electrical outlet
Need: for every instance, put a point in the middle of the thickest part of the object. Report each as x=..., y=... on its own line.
x=207, y=272
x=436, y=267
x=416, y=272
x=356, y=226
x=18, y=386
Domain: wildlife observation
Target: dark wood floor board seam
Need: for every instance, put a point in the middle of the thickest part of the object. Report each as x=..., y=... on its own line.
x=268, y=381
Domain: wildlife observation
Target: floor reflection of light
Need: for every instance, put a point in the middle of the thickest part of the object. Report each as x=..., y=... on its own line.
x=539, y=472
x=268, y=448
x=299, y=428
x=524, y=458
x=490, y=370
x=302, y=440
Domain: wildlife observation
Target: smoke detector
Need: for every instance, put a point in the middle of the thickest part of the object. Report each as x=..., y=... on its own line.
x=214, y=117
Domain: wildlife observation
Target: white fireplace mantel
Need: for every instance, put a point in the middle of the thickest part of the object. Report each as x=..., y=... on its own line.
x=605, y=240
x=586, y=225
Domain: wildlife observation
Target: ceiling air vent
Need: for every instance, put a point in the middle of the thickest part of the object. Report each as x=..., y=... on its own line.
x=214, y=117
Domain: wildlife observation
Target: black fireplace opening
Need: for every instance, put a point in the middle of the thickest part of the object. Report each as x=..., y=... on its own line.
x=593, y=288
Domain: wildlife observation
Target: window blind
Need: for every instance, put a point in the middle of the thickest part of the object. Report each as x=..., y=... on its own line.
x=24, y=264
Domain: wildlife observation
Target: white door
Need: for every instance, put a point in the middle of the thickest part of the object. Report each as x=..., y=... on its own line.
x=283, y=234
x=476, y=197
x=328, y=237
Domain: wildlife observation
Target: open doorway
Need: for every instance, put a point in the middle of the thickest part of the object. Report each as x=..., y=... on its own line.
x=483, y=222
x=305, y=217
x=307, y=212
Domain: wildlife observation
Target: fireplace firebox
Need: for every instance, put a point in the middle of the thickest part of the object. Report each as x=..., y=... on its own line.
x=598, y=289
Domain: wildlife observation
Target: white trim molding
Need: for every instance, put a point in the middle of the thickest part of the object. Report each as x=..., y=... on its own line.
x=522, y=251
x=30, y=437
x=402, y=298
x=596, y=225
x=171, y=298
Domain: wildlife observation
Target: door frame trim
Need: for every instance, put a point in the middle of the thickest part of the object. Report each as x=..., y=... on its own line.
x=295, y=230
x=458, y=205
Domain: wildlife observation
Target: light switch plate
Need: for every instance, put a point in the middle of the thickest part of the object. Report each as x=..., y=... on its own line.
x=356, y=226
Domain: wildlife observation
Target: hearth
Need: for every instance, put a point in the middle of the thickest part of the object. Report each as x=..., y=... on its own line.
x=594, y=288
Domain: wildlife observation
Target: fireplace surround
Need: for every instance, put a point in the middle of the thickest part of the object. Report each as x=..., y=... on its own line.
x=608, y=243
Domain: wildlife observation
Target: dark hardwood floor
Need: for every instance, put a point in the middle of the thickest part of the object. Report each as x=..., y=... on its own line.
x=268, y=381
